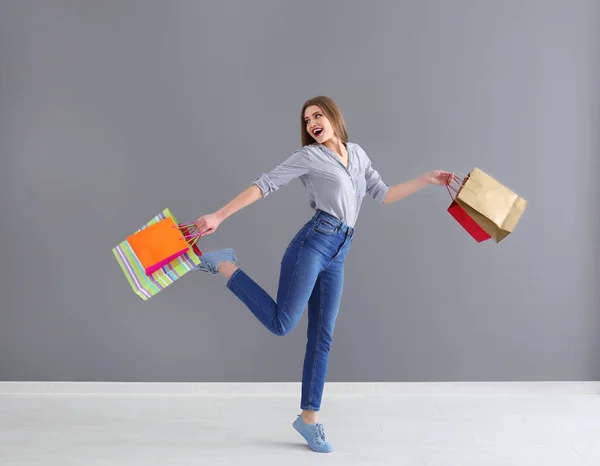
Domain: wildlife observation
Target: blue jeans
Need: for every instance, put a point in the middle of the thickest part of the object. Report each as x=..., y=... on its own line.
x=312, y=272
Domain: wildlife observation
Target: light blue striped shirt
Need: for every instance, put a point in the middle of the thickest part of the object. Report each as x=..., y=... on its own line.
x=331, y=187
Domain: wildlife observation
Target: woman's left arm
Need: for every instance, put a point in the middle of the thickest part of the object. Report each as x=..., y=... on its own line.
x=400, y=191
x=385, y=194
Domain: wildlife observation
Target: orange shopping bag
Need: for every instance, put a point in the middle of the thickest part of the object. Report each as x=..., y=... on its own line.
x=158, y=244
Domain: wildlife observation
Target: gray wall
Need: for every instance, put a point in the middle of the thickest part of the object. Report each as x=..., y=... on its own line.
x=113, y=110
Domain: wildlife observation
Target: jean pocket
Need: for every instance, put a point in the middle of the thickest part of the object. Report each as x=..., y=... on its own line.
x=326, y=227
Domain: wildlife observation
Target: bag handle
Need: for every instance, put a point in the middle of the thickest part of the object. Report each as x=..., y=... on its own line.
x=187, y=229
x=456, y=179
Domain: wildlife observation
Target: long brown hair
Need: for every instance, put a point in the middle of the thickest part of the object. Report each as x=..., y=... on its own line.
x=333, y=114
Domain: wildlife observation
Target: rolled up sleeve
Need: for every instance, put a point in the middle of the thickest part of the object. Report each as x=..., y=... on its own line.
x=376, y=188
x=296, y=165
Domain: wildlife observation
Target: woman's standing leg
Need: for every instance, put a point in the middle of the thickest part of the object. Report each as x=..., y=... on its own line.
x=323, y=308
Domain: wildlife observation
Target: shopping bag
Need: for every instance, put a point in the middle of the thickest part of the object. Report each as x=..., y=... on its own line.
x=461, y=216
x=146, y=286
x=158, y=244
x=490, y=204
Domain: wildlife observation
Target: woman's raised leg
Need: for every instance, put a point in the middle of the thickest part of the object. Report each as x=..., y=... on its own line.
x=300, y=268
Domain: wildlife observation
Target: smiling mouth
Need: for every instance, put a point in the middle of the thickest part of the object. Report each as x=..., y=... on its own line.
x=317, y=132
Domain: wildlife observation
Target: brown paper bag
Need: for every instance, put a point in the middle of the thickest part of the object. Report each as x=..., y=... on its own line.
x=492, y=205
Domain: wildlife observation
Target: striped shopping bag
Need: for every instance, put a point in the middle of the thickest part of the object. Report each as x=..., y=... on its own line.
x=146, y=286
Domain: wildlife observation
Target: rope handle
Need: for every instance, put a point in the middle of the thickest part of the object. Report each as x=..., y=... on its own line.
x=187, y=229
x=457, y=178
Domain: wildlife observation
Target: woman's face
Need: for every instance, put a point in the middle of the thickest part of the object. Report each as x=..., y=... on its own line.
x=317, y=124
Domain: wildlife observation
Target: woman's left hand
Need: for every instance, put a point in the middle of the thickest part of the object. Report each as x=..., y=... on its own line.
x=439, y=177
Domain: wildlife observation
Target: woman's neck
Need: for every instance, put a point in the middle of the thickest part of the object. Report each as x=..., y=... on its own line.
x=336, y=145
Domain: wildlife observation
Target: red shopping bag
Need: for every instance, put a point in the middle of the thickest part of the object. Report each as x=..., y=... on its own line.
x=461, y=216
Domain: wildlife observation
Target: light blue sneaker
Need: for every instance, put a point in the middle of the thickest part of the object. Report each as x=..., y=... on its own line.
x=210, y=261
x=313, y=434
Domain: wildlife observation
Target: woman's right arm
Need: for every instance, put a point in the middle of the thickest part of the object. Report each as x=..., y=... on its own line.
x=244, y=199
x=296, y=165
x=207, y=224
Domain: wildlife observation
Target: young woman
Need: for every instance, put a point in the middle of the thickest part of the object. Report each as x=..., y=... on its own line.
x=337, y=175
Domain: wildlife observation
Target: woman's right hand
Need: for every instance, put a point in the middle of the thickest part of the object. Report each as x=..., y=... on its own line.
x=208, y=224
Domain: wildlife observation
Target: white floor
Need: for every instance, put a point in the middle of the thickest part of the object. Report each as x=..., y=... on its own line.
x=525, y=428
